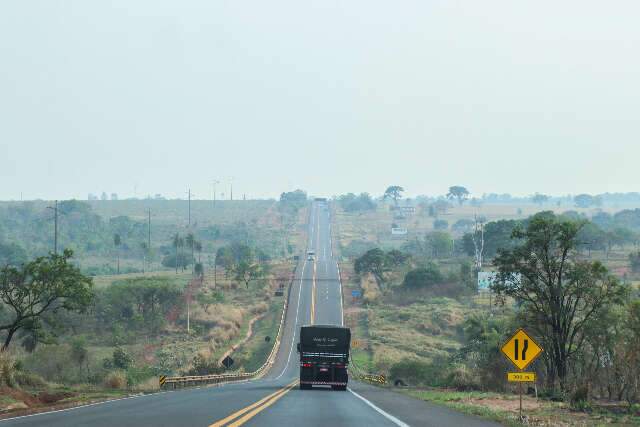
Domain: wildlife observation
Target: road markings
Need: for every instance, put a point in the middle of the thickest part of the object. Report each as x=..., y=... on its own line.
x=341, y=297
x=295, y=327
x=313, y=296
x=255, y=408
x=380, y=411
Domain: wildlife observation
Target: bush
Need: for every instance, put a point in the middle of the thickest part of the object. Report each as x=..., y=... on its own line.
x=461, y=378
x=7, y=370
x=121, y=359
x=116, y=380
x=29, y=379
x=424, y=277
x=417, y=372
x=204, y=364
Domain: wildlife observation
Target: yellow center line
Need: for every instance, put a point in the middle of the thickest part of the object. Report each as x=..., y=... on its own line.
x=259, y=409
x=252, y=406
x=313, y=296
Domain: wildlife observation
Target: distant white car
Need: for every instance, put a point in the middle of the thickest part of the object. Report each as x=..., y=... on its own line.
x=310, y=258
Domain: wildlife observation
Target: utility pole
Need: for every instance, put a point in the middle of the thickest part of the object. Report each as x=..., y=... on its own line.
x=232, y=190
x=214, y=192
x=55, y=226
x=190, y=196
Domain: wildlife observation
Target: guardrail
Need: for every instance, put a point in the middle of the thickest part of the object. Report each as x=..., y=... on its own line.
x=195, y=380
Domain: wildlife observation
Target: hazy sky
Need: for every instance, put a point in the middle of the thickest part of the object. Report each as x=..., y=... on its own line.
x=329, y=96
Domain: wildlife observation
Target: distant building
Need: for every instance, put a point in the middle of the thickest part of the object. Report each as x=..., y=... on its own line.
x=408, y=210
x=399, y=231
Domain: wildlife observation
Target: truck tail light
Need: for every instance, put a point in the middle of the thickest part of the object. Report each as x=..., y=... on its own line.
x=307, y=365
x=339, y=365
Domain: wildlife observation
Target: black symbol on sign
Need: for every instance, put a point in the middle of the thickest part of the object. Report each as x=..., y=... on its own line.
x=525, y=347
x=227, y=362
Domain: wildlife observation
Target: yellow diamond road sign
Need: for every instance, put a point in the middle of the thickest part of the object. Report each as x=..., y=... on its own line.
x=521, y=349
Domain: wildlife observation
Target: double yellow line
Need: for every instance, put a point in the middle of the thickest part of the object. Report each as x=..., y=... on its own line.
x=243, y=415
x=313, y=296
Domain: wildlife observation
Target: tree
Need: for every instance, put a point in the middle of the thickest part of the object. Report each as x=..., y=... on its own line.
x=585, y=200
x=396, y=258
x=145, y=251
x=393, y=192
x=79, y=353
x=117, y=241
x=540, y=199
x=440, y=243
x=208, y=297
x=356, y=203
x=377, y=262
x=12, y=254
x=198, y=247
x=246, y=271
x=559, y=293
x=191, y=242
x=496, y=234
x=121, y=359
x=45, y=285
x=177, y=242
x=373, y=261
x=423, y=277
x=458, y=192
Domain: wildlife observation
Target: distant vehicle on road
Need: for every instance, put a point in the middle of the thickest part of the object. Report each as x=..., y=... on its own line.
x=310, y=258
x=311, y=255
x=324, y=356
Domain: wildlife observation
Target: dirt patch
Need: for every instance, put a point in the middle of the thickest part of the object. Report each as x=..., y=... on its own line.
x=48, y=398
x=511, y=405
x=20, y=396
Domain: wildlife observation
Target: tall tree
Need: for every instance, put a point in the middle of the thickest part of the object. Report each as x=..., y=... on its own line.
x=145, y=252
x=177, y=242
x=539, y=199
x=393, y=192
x=246, y=271
x=117, y=241
x=198, y=246
x=559, y=292
x=458, y=192
x=44, y=285
x=191, y=242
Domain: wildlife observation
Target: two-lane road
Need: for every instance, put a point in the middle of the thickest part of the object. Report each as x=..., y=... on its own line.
x=275, y=400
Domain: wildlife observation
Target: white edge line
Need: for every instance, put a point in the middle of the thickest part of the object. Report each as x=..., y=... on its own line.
x=295, y=327
x=85, y=406
x=380, y=411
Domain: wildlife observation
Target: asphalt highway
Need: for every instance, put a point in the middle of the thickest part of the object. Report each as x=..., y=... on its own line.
x=274, y=400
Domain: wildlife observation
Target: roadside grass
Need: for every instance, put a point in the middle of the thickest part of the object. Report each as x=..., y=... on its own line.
x=255, y=351
x=503, y=408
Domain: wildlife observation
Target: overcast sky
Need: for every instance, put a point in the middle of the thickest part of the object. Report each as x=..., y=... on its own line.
x=157, y=96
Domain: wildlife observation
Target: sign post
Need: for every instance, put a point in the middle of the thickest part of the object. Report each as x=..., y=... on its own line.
x=521, y=350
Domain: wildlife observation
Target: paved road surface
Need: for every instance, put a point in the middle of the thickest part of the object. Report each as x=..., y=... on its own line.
x=316, y=297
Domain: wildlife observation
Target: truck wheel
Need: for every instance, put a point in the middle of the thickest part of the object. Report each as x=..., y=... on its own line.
x=339, y=387
x=305, y=386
